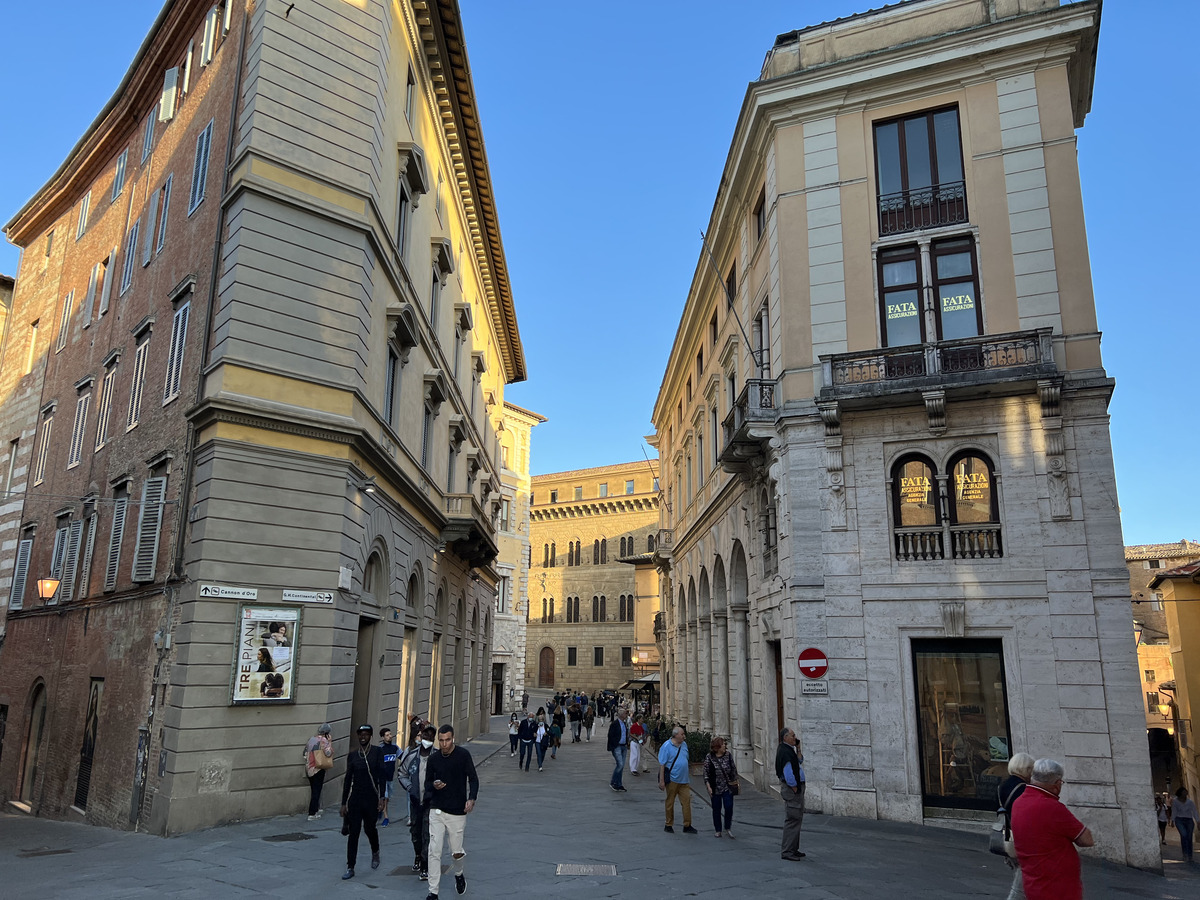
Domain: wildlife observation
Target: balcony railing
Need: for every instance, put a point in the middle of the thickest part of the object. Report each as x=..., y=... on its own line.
x=986, y=358
x=926, y=207
x=469, y=529
x=925, y=544
x=755, y=406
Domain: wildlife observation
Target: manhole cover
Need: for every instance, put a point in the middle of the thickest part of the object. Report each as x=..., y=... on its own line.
x=44, y=851
x=576, y=869
x=294, y=836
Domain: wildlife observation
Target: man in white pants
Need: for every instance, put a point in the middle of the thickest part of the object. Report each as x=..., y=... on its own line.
x=451, y=787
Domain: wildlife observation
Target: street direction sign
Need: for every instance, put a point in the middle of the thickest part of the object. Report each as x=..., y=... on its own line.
x=813, y=663
x=307, y=597
x=224, y=591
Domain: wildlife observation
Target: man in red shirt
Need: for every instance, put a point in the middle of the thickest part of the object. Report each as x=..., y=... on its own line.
x=1046, y=834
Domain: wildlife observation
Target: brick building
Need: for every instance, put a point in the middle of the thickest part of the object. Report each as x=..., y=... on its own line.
x=262, y=326
x=590, y=626
x=884, y=433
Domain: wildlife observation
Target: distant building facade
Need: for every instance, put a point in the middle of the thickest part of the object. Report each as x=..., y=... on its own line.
x=889, y=518
x=1180, y=586
x=263, y=327
x=590, y=619
x=512, y=564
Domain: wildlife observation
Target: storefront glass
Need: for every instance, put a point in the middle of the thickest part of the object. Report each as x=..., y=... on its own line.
x=962, y=716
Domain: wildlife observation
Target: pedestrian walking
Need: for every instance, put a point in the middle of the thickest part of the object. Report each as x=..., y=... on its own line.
x=318, y=759
x=673, y=778
x=390, y=754
x=1020, y=768
x=721, y=780
x=558, y=723
x=416, y=765
x=542, y=742
x=1046, y=834
x=1162, y=810
x=362, y=798
x=618, y=746
x=589, y=720
x=451, y=787
x=575, y=714
x=526, y=735
x=637, y=743
x=789, y=769
x=514, y=725
x=1183, y=812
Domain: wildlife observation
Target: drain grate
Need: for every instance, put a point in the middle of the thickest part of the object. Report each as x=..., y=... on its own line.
x=577, y=869
x=42, y=851
x=293, y=836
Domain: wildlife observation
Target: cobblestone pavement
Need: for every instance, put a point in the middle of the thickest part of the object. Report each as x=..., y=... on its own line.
x=524, y=827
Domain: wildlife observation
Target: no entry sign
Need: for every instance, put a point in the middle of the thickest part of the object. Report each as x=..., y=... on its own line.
x=813, y=663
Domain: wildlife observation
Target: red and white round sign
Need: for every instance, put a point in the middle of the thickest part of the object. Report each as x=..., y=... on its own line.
x=813, y=663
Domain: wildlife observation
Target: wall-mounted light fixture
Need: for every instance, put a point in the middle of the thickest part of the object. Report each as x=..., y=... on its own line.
x=366, y=483
x=47, y=588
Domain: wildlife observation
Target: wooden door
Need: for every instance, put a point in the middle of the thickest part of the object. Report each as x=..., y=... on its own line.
x=546, y=668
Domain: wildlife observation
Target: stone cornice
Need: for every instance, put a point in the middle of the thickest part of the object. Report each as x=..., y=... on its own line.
x=601, y=506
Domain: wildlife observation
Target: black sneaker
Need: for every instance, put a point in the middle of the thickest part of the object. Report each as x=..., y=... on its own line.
x=614, y=787
x=423, y=875
x=417, y=864
x=460, y=883
x=668, y=829
x=431, y=897
x=688, y=829
x=622, y=790
x=347, y=875
x=374, y=860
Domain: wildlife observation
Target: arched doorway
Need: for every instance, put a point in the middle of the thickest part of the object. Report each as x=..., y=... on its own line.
x=546, y=667
x=33, y=743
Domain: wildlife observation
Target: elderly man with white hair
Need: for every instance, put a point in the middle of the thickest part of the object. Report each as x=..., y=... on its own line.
x=1046, y=834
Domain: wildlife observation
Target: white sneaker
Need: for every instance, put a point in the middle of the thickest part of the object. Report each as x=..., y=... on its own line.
x=313, y=818
x=320, y=812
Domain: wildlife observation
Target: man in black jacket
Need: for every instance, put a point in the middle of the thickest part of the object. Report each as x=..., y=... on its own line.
x=526, y=735
x=362, y=797
x=618, y=746
x=451, y=787
x=790, y=772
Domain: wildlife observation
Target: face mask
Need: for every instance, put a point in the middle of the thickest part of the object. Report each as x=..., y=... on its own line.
x=426, y=744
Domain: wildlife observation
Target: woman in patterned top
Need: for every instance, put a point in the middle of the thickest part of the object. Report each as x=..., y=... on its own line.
x=720, y=777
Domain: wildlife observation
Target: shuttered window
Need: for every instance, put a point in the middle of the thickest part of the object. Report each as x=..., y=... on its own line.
x=60, y=549
x=104, y=413
x=179, y=326
x=120, y=506
x=209, y=44
x=106, y=288
x=66, y=590
x=89, y=548
x=138, y=384
x=145, y=553
x=130, y=250
x=162, y=219
x=166, y=103
x=39, y=471
x=151, y=231
x=81, y=413
x=119, y=178
x=84, y=206
x=90, y=297
x=64, y=321
x=16, y=596
x=148, y=136
x=200, y=167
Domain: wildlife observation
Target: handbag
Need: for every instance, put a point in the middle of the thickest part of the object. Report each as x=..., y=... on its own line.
x=996, y=837
x=322, y=759
x=734, y=787
x=667, y=769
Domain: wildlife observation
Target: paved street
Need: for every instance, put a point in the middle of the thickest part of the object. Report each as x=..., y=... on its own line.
x=525, y=825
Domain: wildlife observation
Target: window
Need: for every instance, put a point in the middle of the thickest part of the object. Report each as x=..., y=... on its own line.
x=622, y=554
x=1148, y=676
x=554, y=496
x=550, y=618
x=579, y=492
x=900, y=297
x=597, y=656
x=208, y=45
x=49, y=248
x=170, y=91
x=39, y=470
x=760, y=214
x=596, y=608
x=956, y=289
x=1153, y=564
x=16, y=596
x=403, y=218
x=99, y=285
x=505, y=514
x=629, y=486
x=730, y=290
x=174, y=377
x=574, y=608
x=621, y=609
x=138, y=382
x=712, y=331
x=649, y=543
x=186, y=79
x=31, y=348
x=75, y=451
x=390, y=384
x=1157, y=603
x=656, y=485
x=84, y=206
x=85, y=572
x=64, y=320
x=553, y=554
x=162, y=218
x=689, y=389
x=770, y=535
x=595, y=553
x=148, y=136
x=451, y=466
x=200, y=167
x=130, y=247
x=914, y=493
x=13, y=446
x=545, y=556
x=426, y=434
x=70, y=563
x=603, y=608
x=570, y=612
x=104, y=411
x=919, y=172
x=149, y=528
x=119, y=177
x=572, y=656
x=435, y=296
x=603, y=553
x=504, y=595
x=1152, y=702
x=120, y=506
x=972, y=491
x=712, y=424
x=410, y=96
x=761, y=336
x=626, y=657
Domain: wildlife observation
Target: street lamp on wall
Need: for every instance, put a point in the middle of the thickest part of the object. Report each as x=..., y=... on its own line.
x=47, y=588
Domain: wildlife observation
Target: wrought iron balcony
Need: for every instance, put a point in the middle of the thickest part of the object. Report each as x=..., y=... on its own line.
x=664, y=544
x=926, y=207
x=749, y=425
x=959, y=365
x=659, y=626
x=468, y=530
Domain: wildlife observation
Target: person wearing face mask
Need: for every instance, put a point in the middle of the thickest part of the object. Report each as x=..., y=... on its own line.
x=419, y=820
x=526, y=734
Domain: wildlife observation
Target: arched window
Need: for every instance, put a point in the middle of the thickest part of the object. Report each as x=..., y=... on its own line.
x=596, y=609
x=629, y=609
x=595, y=553
x=972, y=490
x=621, y=606
x=553, y=555
x=576, y=605
x=551, y=610
x=545, y=556
x=915, y=493
x=622, y=547
x=649, y=543
x=603, y=550
x=603, y=611
x=568, y=610
x=578, y=553
x=544, y=607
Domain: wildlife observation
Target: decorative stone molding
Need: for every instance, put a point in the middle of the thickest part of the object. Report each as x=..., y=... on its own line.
x=1059, y=489
x=412, y=170
x=935, y=409
x=954, y=618
x=435, y=389
x=402, y=328
x=443, y=258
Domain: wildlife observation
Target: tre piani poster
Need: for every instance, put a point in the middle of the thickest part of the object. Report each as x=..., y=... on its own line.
x=263, y=667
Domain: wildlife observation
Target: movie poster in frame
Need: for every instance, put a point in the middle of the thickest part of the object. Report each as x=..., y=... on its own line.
x=264, y=667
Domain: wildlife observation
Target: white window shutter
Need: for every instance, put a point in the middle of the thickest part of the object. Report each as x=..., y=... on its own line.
x=175, y=352
x=109, y=275
x=151, y=222
x=228, y=13
x=166, y=105
x=16, y=597
x=187, y=69
x=89, y=300
x=200, y=167
x=88, y=551
x=145, y=554
x=60, y=546
x=114, y=543
x=66, y=590
x=206, y=42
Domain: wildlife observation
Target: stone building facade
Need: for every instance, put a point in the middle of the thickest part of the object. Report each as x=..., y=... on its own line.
x=890, y=518
x=271, y=325
x=589, y=626
x=512, y=564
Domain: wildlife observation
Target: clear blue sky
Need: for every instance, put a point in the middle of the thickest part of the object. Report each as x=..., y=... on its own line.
x=607, y=126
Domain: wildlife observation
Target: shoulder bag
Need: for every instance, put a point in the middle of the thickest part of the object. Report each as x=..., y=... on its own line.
x=667, y=769
x=322, y=758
